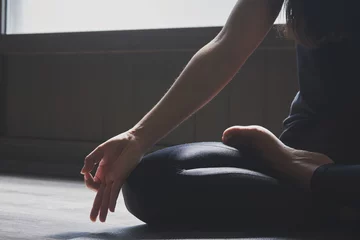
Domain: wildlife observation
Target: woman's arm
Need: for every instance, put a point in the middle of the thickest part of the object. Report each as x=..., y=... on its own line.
x=210, y=69
x=206, y=74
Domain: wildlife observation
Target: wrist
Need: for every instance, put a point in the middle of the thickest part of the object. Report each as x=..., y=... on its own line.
x=143, y=138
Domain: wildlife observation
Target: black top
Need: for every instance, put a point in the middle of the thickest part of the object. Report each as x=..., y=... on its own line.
x=325, y=114
x=328, y=74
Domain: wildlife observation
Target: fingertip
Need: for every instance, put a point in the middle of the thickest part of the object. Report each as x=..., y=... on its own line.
x=93, y=219
x=102, y=219
x=88, y=167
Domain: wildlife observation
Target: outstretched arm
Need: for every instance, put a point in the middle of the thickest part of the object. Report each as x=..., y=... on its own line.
x=207, y=73
x=210, y=69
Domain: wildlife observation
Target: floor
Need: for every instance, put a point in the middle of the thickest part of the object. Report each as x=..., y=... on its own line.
x=35, y=208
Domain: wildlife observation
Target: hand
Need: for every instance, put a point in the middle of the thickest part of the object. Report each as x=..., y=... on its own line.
x=117, y=157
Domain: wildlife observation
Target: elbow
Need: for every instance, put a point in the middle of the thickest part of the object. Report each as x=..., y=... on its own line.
x=230, y=53
x=231, y=50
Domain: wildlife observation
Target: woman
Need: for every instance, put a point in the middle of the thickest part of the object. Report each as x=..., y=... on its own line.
x=252, y=175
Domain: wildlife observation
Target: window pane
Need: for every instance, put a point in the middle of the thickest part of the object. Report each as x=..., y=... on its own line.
x=46, y=16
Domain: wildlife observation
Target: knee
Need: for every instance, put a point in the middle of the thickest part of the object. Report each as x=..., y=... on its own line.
x=150, y=190
x=142, y=189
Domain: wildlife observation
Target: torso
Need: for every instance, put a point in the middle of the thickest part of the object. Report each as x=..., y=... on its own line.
x=328, y=79
x=325, y=114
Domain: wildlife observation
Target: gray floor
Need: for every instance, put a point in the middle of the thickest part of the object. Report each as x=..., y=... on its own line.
x=33, y=208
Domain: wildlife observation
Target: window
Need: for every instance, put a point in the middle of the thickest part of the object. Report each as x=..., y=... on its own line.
x=48, y=16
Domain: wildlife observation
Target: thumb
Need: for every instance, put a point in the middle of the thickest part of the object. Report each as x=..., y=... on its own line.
x=93, y=158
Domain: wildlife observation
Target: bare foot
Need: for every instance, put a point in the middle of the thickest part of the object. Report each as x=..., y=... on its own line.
x=299, y=165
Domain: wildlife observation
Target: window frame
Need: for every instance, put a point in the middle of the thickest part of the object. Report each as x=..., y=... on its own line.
x=3, y=81
x=81, y=26
x=3, y=17
x=117, y=40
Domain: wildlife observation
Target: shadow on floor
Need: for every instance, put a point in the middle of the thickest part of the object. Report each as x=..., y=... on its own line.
x=144, y=232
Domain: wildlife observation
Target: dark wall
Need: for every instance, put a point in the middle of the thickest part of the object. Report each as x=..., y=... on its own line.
x=62, y=94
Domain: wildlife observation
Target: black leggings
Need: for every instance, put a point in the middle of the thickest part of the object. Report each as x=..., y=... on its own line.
x=211, y=183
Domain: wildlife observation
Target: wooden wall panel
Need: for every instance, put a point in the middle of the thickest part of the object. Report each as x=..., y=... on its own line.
x=3, y=95
x=61, y=103
x=118, y=94
x=79, y=90
x=95, y=96
x=247, y=92
x=55, y=97
x=212, y=120
x=153, y=74
x=30, y=97
x=281, y=87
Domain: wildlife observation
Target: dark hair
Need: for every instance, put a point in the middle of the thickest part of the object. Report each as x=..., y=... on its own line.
x=323, y=21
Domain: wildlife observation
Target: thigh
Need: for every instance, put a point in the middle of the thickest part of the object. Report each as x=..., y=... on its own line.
x=204, y=182
x=205, y=155
x=193, y=159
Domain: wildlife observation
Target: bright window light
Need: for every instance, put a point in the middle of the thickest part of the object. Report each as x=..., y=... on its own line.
x=49, y=16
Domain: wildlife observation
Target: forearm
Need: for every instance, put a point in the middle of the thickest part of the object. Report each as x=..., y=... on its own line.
x=207, y=73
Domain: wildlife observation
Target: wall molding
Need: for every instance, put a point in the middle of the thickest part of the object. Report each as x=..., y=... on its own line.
x=182, y=39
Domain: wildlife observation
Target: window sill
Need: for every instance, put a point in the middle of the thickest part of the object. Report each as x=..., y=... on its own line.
x=185, y=39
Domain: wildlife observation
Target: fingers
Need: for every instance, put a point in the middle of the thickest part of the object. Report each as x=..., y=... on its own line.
x=93, y=158
x=102, y=200
x=91, y=183
x=115, y=190
x=97, y=203
x=105, y=202
x=106, y=194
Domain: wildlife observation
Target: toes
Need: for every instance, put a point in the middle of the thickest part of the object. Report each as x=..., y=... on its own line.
x=246, y=135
